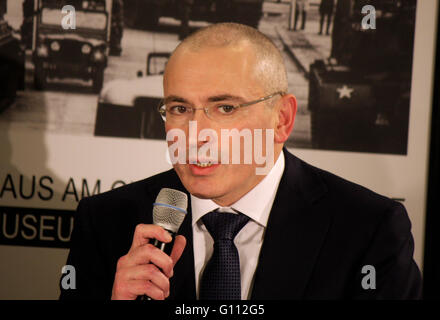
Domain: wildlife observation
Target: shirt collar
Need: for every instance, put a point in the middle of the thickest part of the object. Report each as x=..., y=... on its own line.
x=256, y=204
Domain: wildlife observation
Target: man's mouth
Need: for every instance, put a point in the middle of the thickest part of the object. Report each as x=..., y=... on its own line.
x=201, y=167
x=203, y=164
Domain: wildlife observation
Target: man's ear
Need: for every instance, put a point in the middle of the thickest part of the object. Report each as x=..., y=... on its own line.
x=286, y=118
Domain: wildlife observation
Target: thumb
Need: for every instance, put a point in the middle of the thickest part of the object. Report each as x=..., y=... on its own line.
x=179, y=246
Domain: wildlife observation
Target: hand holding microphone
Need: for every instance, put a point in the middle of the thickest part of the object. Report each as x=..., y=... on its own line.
x=146, y=268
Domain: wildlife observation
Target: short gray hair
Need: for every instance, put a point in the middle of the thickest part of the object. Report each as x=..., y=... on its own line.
x=270, y=64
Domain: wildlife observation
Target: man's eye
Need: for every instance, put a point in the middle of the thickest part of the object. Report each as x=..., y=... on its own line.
x=178, y=109
x=226, y=109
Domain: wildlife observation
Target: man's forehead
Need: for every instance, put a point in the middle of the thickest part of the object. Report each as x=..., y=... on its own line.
x=224, y=55
x=201, y=74
x=225, y=62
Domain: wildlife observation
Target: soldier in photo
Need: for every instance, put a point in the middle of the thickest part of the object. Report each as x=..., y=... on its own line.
x=341, y=31
x=326, y=11
x=27, y=25
x=117, y=27
x=301, y=7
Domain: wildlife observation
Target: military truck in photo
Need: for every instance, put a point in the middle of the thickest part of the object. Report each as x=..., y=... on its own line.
x=359, y=98
x=128, y=108
x=79, y=53
x=146, y=13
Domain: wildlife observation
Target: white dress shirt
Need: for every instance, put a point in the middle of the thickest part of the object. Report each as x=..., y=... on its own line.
x=256, y=204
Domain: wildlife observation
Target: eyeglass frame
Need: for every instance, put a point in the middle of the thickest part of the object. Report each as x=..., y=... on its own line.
x=162, y=112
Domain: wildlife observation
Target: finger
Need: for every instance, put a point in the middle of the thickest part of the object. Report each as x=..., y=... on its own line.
x=178, y=247
x=144, y=232
x=125, y=278
x=152, y=273
x=150, y=254
x=145, y=287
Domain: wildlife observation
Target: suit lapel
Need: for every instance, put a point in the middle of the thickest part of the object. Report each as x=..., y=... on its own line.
x=294, y=234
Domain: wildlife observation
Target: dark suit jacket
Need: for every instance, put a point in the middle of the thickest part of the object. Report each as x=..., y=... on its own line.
x=321, y=231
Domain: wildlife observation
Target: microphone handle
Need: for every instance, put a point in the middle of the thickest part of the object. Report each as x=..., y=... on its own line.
x=165, y=247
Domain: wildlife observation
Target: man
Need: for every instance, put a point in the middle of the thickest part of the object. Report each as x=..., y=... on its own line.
x=301, y=6
x=305, y=233
x=342, y=32
x=117, y=27
x=326, y=10
x=26, y=28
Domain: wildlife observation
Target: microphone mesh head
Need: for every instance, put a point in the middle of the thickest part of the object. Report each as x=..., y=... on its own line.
x=166, y=211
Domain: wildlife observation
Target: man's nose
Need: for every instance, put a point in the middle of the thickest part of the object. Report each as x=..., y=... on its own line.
x=202, y=122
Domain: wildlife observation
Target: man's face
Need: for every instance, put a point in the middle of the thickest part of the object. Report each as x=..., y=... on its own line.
x=198, y=78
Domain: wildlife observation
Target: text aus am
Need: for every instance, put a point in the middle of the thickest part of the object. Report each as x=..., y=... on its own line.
x=43, y=188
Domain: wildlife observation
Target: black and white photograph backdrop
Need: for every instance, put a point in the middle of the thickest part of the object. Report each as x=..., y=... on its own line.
x=79, y=98
x=352, y=80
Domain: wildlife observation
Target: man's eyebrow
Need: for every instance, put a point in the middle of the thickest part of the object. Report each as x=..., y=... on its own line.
x=216, y=98
x=223, y=97
x=174, y=98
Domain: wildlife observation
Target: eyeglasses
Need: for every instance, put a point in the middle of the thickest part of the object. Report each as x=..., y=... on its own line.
x=179, y=113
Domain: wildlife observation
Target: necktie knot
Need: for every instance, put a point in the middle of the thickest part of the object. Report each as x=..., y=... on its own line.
x=224, y=225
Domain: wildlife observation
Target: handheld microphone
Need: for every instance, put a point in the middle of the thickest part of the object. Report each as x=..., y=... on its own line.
x=169, y=211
